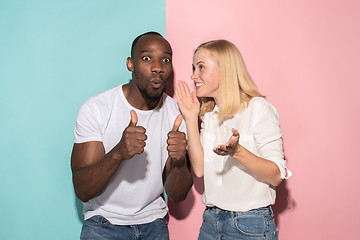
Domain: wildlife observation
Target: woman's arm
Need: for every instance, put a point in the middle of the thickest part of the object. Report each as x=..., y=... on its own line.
x=190, y=108
x=261, y=167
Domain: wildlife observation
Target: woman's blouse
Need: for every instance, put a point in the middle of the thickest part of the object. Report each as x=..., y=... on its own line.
x=228, y=184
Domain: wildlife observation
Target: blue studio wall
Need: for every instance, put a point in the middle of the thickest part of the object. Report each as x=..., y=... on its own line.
x=53, y=56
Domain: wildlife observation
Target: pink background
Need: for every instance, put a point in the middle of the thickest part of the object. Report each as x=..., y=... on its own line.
x=304, y=56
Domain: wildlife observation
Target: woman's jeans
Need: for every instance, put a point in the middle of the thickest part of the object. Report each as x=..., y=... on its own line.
x=98, y=227
x=257, y=224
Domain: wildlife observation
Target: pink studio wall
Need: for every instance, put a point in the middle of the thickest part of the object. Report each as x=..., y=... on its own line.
x=304, y=56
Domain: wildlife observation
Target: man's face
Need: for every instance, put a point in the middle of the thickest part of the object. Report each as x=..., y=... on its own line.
x=151, y=65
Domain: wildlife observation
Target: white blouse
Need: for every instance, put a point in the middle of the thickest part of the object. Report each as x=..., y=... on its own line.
x=228, y=184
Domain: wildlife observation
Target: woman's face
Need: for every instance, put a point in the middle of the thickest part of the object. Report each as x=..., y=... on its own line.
x=206, y=75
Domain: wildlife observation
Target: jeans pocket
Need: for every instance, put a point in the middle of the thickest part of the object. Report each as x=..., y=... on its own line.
x=252, y=225
x=97, y=221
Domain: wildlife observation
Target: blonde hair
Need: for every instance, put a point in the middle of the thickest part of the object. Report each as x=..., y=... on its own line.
x=235, y=85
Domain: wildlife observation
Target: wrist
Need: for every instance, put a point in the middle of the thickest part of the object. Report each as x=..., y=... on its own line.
x=177, y=164
x=115, y=155
x=192, y=118
x=238, y=151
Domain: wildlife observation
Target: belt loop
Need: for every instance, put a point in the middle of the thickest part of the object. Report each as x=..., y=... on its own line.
x=271, y=211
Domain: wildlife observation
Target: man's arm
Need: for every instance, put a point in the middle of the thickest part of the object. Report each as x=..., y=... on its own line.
x=178, y=177
x=92, y=168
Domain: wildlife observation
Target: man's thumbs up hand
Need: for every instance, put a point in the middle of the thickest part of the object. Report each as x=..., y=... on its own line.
x=177, y=141
x=177, y=122
x=134, y=118
x=133, y=139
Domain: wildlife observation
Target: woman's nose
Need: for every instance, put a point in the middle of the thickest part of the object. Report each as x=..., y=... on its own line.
x=193, y=76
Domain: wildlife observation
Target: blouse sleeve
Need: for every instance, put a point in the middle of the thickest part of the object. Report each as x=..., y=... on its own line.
x=268, y=136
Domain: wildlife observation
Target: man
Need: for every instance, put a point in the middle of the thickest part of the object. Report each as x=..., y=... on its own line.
x=126, y=139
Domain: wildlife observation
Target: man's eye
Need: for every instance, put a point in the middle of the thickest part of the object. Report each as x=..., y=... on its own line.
x=146, y=58
x=201, y=67
x=166, y=60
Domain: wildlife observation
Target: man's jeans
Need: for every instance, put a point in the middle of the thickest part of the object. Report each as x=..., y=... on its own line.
x=257, y=224
x=99, y=227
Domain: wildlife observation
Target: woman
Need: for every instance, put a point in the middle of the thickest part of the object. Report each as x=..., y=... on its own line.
x=239, y=148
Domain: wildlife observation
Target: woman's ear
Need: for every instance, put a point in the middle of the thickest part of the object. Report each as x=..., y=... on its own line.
x=129, y=64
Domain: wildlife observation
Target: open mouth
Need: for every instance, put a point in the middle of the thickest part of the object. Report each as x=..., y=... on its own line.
x=157, y=83
x=198, y=85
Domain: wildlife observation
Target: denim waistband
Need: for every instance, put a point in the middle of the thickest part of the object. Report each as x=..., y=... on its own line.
x=262, y=210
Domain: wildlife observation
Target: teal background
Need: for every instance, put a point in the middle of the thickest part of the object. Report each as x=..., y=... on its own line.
x=53, y=56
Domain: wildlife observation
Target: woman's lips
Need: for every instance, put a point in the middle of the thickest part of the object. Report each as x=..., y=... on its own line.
x=198, y=85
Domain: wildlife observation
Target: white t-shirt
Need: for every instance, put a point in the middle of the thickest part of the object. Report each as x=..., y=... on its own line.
x=228, y=184
x=133, y=193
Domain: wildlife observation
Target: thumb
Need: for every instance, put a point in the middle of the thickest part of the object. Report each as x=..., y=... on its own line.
x=134, y=118
x=235, y=132
x=234, y=137
x=177, y=122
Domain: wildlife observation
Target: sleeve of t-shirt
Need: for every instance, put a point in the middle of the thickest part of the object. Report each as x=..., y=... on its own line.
x=88, y=127
x=268, y=136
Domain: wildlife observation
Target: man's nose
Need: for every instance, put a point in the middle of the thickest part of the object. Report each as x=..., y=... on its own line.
x=157, y=67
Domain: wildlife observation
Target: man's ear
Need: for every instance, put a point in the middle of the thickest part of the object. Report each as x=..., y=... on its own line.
x=129, y=64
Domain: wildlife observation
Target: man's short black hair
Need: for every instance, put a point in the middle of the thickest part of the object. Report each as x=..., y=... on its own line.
x=140, y=36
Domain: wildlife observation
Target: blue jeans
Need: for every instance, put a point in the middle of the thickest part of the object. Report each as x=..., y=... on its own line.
x=99, y=228
x=257, y=224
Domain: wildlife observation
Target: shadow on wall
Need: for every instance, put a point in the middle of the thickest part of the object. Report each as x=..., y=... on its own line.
x=181, y=210
x=283, y=201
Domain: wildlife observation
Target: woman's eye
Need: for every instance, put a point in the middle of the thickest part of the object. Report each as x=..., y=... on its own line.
x=146, y=58
x=201, y=67
x=166, y=60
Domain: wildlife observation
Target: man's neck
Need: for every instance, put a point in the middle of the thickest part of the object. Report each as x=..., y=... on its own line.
x=136, y=99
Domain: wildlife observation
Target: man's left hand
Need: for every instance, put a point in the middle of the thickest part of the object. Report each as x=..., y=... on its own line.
x=177, y=142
